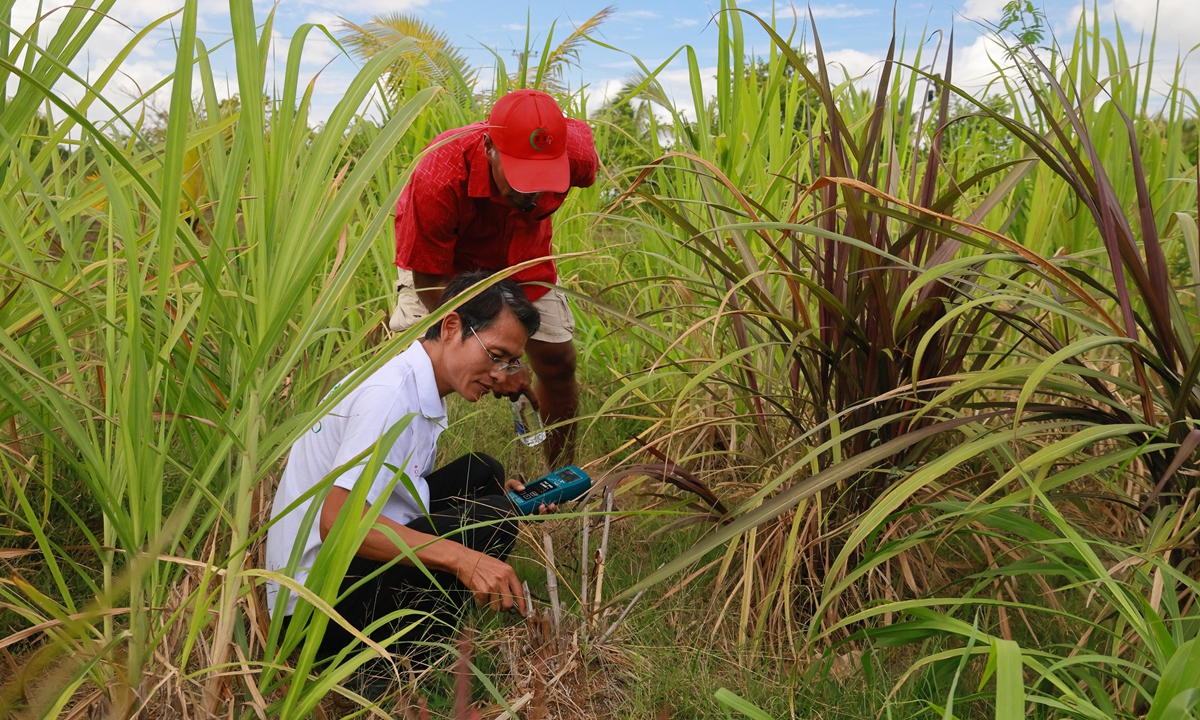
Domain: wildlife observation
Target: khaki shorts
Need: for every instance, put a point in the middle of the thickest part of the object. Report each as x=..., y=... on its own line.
x=558, y=324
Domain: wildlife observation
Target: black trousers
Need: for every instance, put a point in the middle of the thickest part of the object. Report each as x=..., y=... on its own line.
x=464, y=492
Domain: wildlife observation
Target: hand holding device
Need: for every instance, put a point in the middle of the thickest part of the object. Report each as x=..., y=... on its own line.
x=564, y=484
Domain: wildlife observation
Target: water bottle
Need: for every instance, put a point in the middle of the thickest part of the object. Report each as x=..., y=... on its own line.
x=527, y=422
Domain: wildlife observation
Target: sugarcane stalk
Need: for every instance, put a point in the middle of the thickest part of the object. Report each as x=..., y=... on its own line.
x=552, y=581
x=620, y=618
x=584, y=564
x=602, y=555
x=223, y=635
x=525, y=699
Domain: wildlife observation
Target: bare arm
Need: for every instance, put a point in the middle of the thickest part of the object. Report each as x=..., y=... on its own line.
x=429, y=288
x=493, y=582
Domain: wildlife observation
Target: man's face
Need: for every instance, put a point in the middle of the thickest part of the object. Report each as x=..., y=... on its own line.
x=525, y=202
x=470, y=368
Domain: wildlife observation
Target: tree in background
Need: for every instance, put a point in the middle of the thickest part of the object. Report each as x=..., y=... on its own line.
x=549, y=74
x=434, y=60
x=431, y=60
x=1023, y=19
x=758, y=69
x=627, y=126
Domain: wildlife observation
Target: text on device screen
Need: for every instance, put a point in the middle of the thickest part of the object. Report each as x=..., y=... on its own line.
x=532, y=490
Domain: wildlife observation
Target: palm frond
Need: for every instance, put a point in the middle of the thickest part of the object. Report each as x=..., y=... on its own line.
x=568, y=50
x=432, y=60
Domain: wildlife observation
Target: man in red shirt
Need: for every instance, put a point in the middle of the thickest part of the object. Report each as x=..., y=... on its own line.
x=481, y=199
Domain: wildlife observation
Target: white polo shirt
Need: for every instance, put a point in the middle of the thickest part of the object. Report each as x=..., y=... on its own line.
x=404, y=385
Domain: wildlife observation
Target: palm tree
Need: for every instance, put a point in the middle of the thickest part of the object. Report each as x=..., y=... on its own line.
x=431, y=60
x=434, y=60
x=548, y=74
x=627, y=120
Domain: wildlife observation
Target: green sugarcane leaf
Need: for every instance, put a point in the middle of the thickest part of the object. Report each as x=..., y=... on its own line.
x=731, y=702
x=1179, y=688
x=1010, y=683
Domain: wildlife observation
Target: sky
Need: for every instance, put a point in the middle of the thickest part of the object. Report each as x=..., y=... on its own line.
x=854, y=35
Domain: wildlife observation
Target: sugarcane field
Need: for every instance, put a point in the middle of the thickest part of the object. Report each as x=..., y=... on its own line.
x=454, y=359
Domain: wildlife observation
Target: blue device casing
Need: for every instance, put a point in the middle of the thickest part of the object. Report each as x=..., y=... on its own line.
x=562, y=485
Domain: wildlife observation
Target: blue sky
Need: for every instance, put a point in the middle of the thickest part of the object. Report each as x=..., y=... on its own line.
x=854, y=34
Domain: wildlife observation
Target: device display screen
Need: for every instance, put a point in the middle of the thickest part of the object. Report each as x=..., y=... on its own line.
x=532, y=490
x=569, y=475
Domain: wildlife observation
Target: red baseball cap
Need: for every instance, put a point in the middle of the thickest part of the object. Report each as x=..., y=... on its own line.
x=530, y=131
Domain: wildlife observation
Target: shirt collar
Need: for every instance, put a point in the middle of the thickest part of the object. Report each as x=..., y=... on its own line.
x=433, y=406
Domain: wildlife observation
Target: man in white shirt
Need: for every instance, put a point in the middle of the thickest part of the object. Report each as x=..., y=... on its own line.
x=471, y=350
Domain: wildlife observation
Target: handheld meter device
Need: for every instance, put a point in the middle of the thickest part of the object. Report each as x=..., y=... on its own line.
x=559, y=486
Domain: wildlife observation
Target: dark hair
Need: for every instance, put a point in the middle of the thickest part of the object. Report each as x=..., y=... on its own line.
x=481, y=311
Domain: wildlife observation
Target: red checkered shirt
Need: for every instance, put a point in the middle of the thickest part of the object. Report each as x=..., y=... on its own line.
x=452, y=219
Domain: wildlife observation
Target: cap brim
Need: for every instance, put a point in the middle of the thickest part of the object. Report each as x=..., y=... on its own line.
x=541, y=175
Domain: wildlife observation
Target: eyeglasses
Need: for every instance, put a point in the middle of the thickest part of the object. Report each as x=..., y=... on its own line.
x=510, y=368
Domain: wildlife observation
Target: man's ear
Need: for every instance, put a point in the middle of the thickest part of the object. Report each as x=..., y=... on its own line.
x=451, y=326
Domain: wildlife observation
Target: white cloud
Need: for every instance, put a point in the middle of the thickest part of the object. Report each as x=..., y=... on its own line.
x=486, y=76
x=374, y=7
x=677, y=84
x=838, y=11
x=988, y=10
x=975, y=65
x=856, y=64
x=1178, y=20
x=137, y=13
x=149, y=62
x=601, y=92
x=324, y=17
x=154, y=58
x=139, y=76
x=315, y=53
x=1179, y=31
